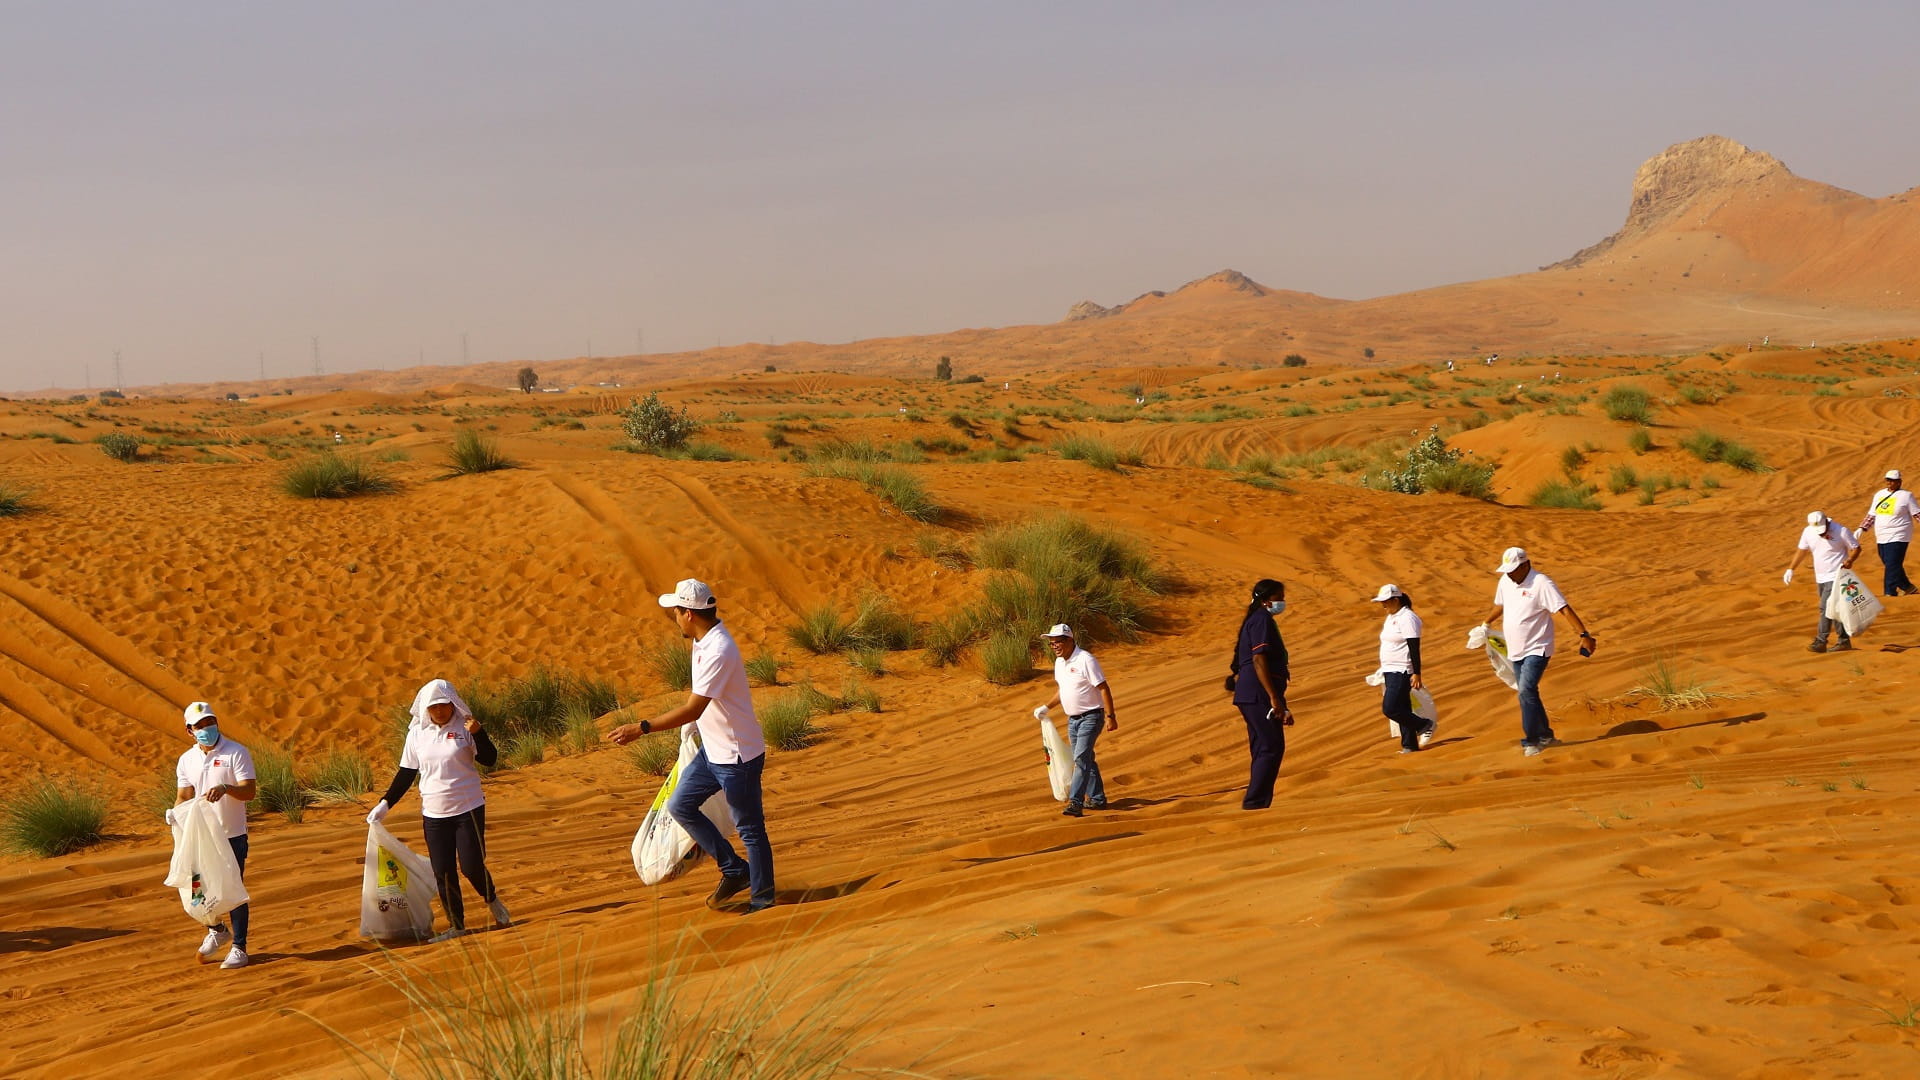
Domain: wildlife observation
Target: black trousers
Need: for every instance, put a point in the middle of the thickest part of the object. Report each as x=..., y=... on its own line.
x=1396, y=704
x=1267, y=743
x=463, y=837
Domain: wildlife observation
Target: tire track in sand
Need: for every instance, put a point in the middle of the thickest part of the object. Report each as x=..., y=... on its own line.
x=776, y=570
x=648, y=560
x=45, y=715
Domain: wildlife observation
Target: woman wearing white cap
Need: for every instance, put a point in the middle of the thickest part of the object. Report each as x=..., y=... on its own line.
x=1890, y=515
x=1400, y=667
x=220, y=771
x=1834, y=550
x=444, y=750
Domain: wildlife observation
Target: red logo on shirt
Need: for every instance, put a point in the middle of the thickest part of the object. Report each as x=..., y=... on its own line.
x=217, y=763
x=453, y=737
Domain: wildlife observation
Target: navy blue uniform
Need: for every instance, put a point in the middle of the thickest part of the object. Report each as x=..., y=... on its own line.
x=1266, y=737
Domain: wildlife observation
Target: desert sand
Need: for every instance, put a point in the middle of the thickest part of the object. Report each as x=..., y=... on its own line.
x=1721, y=891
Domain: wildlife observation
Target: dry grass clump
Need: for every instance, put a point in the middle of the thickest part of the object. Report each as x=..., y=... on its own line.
x=48, y=817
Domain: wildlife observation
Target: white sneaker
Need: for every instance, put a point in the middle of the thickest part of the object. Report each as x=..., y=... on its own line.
x=237, y=958
x=499, y=910
x=1427, y=735
x=217, y=938
x=1530, y=749
x=448, y=934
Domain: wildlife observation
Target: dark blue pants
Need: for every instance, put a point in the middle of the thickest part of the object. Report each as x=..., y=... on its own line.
x=240, y=914
x=1396, y=704
x=1893, y=560
x=459, y=841
x=698, y=781
x=1267, y=743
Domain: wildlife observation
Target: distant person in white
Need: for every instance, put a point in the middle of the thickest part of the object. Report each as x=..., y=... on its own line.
x=1890, y=516
x=733, y=750
x=220, y=771
x=1084, y=694
x=445, y=749
x=1526, y=601
x=1834, y=550
x=1400, y=667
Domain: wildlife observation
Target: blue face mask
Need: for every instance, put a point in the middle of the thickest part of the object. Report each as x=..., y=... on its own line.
x=1276, y=607
x=207, y=736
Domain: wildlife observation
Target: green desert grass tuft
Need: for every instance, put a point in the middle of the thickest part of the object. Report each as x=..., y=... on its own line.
x=1672, y=686
x=1096, y=452
x=1710, y=448
x=671, y=661
x=48, y=817
x=342, y=776
x=890, y=483
x=1628, y=403
x=787, y=720
x=654, y=755
x=1564, y=495
x=329, y=476
x=1007, y=658
x=763, y=669
x=474, y=453
x=278, y=787
x=1061, y=568
x=16, y=501
x=538, y=703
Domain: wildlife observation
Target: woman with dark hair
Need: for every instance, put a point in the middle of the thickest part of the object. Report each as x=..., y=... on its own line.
x=1400, y=668
x=1259, y=687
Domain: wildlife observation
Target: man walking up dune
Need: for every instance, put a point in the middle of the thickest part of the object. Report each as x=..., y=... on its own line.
x=1084, y=694
x=1834, y=550
x=1526, y=601
x=1890, y=518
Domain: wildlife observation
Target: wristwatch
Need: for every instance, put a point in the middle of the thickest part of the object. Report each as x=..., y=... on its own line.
x=646, y=728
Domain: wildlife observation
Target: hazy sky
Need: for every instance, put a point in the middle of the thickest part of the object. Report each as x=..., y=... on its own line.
x=196, y=184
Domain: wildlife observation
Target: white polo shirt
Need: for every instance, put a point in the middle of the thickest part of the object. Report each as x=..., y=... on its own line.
x=1079, y=676
x=729, y=731
x=449, y=777
x=1892, y=514
x=227, y=763
x=1829, y=546
x=1394, y=654
x=1527, y=611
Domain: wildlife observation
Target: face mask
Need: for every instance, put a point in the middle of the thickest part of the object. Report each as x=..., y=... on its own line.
x=207, y=736
x=1276, y=607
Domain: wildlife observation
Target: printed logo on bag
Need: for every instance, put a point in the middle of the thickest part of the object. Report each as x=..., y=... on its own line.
x=391, y=874
x=1851, y=591
x=199, y=893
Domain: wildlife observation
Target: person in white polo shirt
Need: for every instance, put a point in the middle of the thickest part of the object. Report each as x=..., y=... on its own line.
x=1834, y=550
x=1086, y=698
x=1526, y=601
x=1890, y=518
x=220, y=771
x=1400, y=667
x=445, y=750
x=733, y=750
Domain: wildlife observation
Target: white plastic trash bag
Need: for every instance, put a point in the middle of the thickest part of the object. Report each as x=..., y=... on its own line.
x=1851, y=603
x=1059, y=759
x=1421, y=699
x=662, y=850
x=203, y=867
x=1483, y=637
x=396, y=890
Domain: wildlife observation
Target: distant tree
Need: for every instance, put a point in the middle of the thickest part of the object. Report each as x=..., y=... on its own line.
x=231, y=396
x=944, y=369
x=1367, y=352
x=1294, y=359
x=528, y=380
x=770, y=367
x=112, y=395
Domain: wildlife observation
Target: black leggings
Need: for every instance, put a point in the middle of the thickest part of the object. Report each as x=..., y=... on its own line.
x=464, y=836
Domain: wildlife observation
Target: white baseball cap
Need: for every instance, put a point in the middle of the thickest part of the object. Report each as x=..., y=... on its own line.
x=691, y=593
x=1893, y=474
x=197, y=712
x=1511, y=559
x=1816, y=517
x=1386, y=593
x=1059, y=630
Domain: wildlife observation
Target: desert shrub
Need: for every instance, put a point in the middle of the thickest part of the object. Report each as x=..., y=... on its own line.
x=1622, y=479
x=118, y=445
x=945, y=639
x=652, y=425
x=654, y=754
x=671, y=661
x=1628, y=403
x=763, y=669
x=1432, y=465
x=1698, y=395
x=1710, y=448
x=1096, y=452
x=474, y=453
x=1565, y=495
x=894, y=485
x=787, y=721
x=1673, y=686
x=1294, y=360
x=934, y=546
x=16, y=501
x=330, y=476
x=160, y=795
x=1571, y=459
x=538, y=702
x=524, y=749
x=583, y=729
x=341, y=776
x=277, y=786
x=874, y=625
x=871, y=661
x=1060, y=568
x=48, y=817
x=1007, y=658
x=1640, y=440
x=821, y=631
x=852, y=450
x=855, y=697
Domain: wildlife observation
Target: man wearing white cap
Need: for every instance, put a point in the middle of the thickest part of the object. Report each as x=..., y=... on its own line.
x=733, y=750
x=1834, y=550
x=1526, y=601
x=1084, y=694
x=220, y=771
x=1890, y=515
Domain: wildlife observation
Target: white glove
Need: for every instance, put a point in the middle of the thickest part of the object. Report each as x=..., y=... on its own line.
x=1041, y=713
x=1477, y=637
x=1787, y=578
x=379, y=813
x=1376, y=679
x=169, y=817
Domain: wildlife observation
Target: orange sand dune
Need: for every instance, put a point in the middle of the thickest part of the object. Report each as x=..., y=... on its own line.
x=1724, y=891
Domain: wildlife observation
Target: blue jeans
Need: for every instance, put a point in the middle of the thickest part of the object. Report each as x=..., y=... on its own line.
x=1396, y=704
x=1086, y=786
x=698, y=781
x=1267, y=746
x=1826, y=625
x=1893, y=560
x=240, y=914
x=1534, y=727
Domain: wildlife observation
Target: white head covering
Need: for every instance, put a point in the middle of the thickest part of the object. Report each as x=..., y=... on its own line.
x=434, y=693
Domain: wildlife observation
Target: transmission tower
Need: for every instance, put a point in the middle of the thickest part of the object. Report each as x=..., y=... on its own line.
x=317, y=369
x=118, y=383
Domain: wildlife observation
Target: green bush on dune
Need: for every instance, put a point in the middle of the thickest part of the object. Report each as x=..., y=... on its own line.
x=329, y=476
x=48, y=817
x=472, y=453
